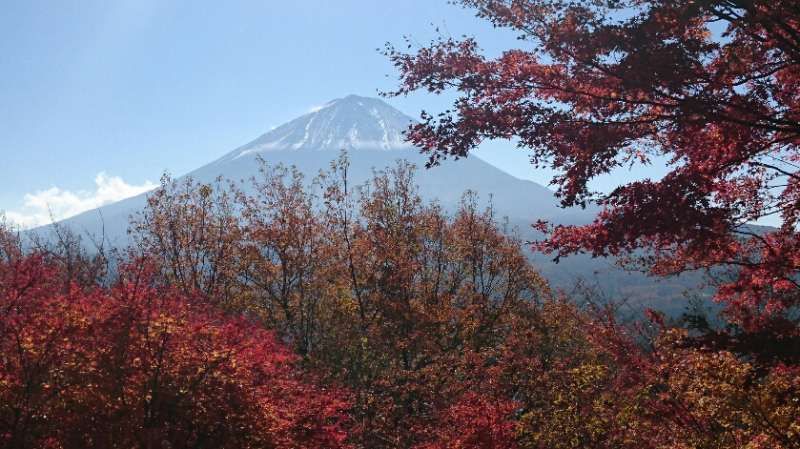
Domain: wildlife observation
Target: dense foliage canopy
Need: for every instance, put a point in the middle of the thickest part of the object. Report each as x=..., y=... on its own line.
x=294, y=313
x=140, y=366
x=712, y=87
x=328, y=315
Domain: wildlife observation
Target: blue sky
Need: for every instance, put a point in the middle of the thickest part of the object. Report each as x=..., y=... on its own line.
x=99, y=93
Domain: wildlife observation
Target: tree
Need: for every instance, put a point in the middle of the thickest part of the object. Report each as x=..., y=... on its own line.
x=375, y=289
x=144, y=366
x=710, y=86
x=474, y=421
x=721, y=400
x=285, y=256
x=444, y=334
x=189, y=232
x=82, y=260
x=426, y=299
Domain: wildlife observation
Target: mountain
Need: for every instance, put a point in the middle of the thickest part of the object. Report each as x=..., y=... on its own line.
x=372, y=133
x=351, y=122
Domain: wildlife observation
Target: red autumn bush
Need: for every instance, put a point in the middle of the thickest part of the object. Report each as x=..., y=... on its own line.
x=139, y=366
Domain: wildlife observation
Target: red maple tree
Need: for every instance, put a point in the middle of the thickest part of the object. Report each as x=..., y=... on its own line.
x=711, y=86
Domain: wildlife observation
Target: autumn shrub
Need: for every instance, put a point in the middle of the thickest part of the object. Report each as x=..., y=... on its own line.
x=139, y=365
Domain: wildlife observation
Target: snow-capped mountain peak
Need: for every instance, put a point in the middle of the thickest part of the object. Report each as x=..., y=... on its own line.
x=351, y=123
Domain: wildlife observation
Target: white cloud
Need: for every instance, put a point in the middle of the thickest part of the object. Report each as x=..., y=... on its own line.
x=40, y=208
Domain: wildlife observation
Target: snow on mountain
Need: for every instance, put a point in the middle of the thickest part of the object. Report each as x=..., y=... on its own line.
x=350, y=123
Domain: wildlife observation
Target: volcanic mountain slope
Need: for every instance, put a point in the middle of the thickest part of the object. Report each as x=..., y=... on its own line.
x=371, y=131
